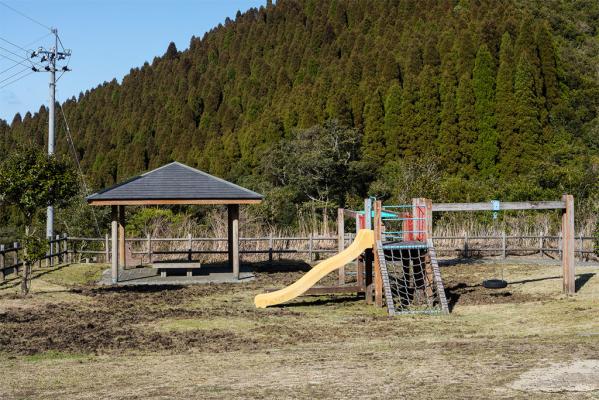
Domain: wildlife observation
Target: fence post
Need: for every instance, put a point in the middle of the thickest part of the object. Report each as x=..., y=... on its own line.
x=65, y=250
x=503, y=245
x=466, y=245
x=310, y=244
x=49, y=254
x=541, y=243
x=189, y=247
x=2, y=261
x=149, y=248
x=580, y=246
x=15, y=245
x=57, y=249
x=63, y=254
x=270, y=248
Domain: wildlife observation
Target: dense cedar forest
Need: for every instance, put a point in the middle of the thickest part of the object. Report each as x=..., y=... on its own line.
x=329, y=101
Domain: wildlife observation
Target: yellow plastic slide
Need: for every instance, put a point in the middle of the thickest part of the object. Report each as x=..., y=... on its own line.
x=364, y=240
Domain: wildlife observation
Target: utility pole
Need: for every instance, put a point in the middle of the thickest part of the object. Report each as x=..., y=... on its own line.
x=50, y=57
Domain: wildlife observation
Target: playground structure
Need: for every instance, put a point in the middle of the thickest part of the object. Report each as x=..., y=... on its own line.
x=399, y=267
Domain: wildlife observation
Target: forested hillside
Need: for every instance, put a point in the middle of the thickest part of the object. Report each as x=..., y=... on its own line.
x=466, y=100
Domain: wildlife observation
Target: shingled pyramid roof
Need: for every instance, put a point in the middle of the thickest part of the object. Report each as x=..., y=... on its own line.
x=174, y=183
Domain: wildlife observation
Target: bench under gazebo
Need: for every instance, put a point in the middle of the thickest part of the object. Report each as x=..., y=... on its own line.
x=173, y=184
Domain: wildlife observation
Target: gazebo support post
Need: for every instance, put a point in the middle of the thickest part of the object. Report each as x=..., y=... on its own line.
x=233, y=238
x=122, y=222
x=115, y=246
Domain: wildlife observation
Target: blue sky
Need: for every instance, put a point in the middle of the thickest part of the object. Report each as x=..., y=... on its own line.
x=107, y=38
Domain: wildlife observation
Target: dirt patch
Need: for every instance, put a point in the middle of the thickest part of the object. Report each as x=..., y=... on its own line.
x=221, y=317
x=463, y=294
x=210, y=341
x=578, y=376
x=111, y=320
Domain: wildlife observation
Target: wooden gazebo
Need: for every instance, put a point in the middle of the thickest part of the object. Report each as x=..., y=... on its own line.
x=174, y=183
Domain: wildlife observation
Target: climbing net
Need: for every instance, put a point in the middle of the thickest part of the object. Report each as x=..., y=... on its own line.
x=411, y=277
x=413, y=283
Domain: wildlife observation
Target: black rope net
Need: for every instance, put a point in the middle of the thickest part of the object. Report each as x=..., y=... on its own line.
x=411, y=278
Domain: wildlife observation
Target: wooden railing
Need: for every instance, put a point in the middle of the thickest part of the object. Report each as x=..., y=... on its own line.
x=11, y=256
x=309, y=248
x=150, y=248
x=507, y=245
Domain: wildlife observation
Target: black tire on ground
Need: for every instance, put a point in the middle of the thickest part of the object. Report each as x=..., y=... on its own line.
x=495, y=283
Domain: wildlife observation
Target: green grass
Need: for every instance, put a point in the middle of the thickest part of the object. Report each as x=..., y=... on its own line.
x=74, y=274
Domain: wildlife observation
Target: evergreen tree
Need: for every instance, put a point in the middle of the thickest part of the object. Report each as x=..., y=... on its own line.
x=235, y=93
x=448, y=148
x=504, y=93
x=392, y=124
x=466, y=123
x=526, y=44
x=548, y=64
x=465, y=52
x=338, y=108
x=483, y=79
x=520, y=149
x=374, y=135
x=427, y=109
x=409, y=118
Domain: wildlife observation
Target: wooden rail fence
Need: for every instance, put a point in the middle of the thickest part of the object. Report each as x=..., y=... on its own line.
x=64, y=249
x=11, y=256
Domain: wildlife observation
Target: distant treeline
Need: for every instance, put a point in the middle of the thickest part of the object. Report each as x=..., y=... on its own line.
x=487, y=98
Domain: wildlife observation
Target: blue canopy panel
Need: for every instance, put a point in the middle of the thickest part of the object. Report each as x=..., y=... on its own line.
x=384, y=214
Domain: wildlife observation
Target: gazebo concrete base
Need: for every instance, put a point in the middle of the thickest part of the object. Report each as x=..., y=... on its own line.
x=150, y=276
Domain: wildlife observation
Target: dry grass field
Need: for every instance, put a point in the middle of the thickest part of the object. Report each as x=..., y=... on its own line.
x=71, y=339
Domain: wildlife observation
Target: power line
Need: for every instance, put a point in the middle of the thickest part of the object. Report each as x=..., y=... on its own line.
x=9, y=68
x=16, y=45
x=21, y=48
x=25, y=16
x=16, y=80
x=38, y=39
x=15, y=61
x=13, y=75
x=20, y=56
x=76, y=157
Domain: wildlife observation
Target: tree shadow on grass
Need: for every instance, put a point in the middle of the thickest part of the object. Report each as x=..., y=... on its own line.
x=450, y=262
x=279, y=266
x=134, y=288
x=581, y=280
x=321, y=300
x=15, y=280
